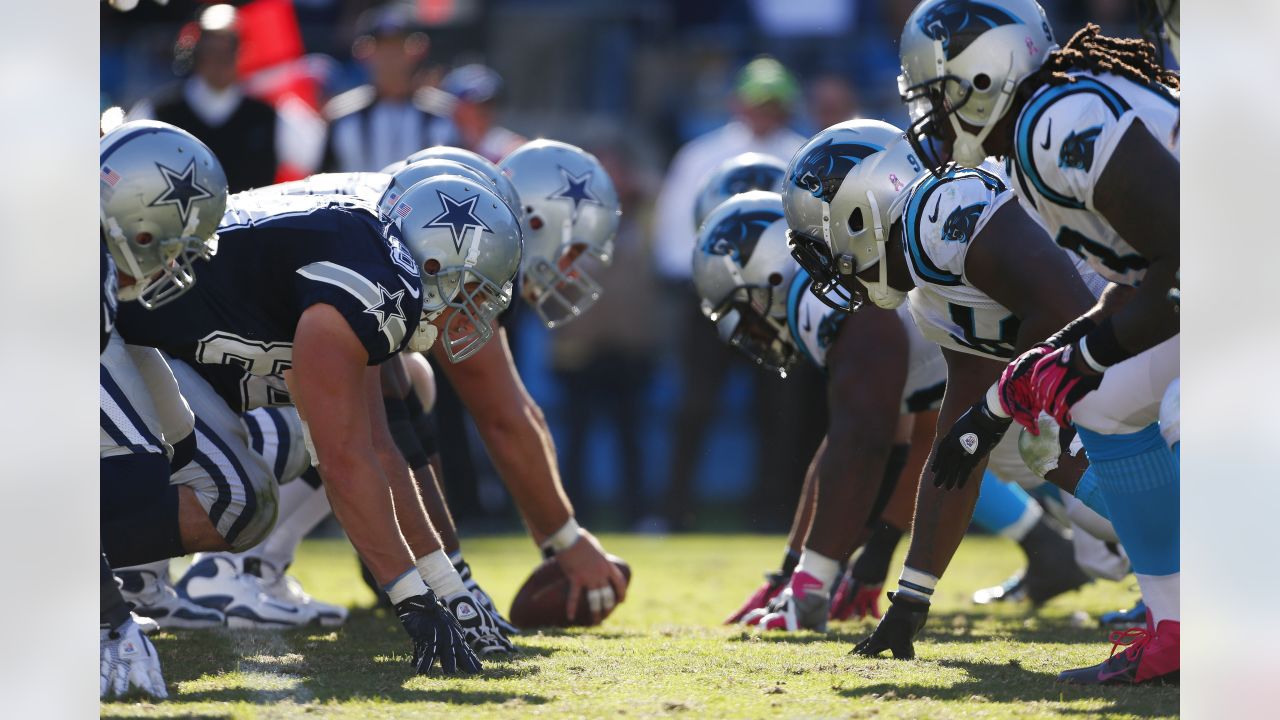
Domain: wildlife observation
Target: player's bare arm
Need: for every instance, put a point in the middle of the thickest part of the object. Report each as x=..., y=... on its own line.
x=331, y=390
x=1138, y=195
x=516, y=435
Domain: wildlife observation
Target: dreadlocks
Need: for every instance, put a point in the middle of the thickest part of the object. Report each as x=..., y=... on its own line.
x=1134, y=59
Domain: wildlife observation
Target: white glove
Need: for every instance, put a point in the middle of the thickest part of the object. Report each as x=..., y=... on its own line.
x=129, y=660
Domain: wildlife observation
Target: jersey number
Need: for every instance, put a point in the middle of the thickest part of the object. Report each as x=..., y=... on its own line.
x=991, y=338
x=263, y=363
x=1084, y=247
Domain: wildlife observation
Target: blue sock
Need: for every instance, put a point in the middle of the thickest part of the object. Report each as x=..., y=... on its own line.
x=1000, y=505
x=1090, y=493
x=1139, y=480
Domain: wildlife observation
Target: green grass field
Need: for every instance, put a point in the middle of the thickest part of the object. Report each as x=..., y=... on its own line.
x=664, y=653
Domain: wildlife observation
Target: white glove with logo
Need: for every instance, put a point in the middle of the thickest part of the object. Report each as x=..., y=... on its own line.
x=478, y=627
x=129, y=660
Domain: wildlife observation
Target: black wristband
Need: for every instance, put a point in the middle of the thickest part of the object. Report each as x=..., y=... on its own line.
x=184, y=451
x=1073, y=331
x=789, y=562
x=1104, y=347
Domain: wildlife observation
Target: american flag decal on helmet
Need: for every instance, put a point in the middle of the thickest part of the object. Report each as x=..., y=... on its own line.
x=404, y=209
x=109, y=176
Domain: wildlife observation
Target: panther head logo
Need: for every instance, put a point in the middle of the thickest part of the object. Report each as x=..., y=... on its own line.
x=752, y=177
x=959, y=225
x=1077, y=149
x=738, y=234
x=828, y=327
x=823, y=168
x=957, y=23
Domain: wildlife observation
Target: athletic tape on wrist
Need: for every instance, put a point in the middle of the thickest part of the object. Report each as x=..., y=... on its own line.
x=993, y=402
x=1083, y=347
x=562, y=539
x=439, y=574
x=408, y=585
x=916, y=584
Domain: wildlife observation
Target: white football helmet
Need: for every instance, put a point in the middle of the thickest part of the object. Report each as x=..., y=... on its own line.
x=742, y=270
x=414, y=173
x=466, y=244
x=738, y=174
x=480, y=164
x=162, y=195
x=570, y=211
x=963, y=60
x=843, y=191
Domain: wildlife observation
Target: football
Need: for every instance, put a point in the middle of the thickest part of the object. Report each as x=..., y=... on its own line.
x=541, y=599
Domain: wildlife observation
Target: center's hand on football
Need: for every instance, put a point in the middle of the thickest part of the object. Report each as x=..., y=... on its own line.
x=590, y=572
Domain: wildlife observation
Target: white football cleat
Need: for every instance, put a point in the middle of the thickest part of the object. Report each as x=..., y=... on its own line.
x=153, y=597
x=286, y=589
x=215, y=581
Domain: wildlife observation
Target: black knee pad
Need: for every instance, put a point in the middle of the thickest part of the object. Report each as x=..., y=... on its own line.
x=126, y=481
x=144, y=533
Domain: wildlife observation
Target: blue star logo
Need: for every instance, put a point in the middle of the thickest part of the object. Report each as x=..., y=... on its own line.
x=182, y=189
x=576, y=188
x=388, y=308
x=458, y=217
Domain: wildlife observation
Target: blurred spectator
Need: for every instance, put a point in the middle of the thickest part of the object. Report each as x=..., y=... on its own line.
x=604, y=360
x=374, y=125
x=764, y=98
x=241, y=131
x=831, y=100
x=476, y=90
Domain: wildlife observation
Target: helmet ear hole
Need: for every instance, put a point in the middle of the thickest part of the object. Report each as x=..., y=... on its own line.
x=855, y=220
x=981, y=81
x=431, y=267
x=535, y=222
x=775, y=279
x=143, y=238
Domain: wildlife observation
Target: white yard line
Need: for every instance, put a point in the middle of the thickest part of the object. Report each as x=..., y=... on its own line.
x=266, y=659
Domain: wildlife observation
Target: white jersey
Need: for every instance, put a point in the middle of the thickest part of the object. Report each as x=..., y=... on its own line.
x=814, y=327
x=142, y=410
x=1063, y=139
x=367, y=186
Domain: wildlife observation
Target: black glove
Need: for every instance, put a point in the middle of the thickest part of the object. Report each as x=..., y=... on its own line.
x=969, y=440
x=435, y=633
x=482, y=597
x=899, y=626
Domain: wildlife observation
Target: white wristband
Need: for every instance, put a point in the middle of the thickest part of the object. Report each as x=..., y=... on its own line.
x=1088, y=359
x=564, y=538
x=408, y=585
x=993, y=402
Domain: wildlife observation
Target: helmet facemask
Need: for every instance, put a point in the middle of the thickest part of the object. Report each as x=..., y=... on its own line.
x=813, y=255
x=167, y=268
x=745, y=319
x=469, y=302
x=559, y=288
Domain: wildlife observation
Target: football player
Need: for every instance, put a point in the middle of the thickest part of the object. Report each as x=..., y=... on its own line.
x=561, y=222
x=986, y=283
x=304, y=298
x=760, y=300
x=147, y=253
x=1089, y=133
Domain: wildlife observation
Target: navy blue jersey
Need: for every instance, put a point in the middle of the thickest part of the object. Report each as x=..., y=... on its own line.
x=106, y=295
x=276, y=257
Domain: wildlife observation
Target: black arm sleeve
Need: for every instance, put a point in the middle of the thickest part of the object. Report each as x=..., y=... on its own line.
x=402, y=431
x=424, y=425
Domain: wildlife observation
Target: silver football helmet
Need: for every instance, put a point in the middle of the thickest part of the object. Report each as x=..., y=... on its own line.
x=843, y=191
x=480, y=164
x=162, y=195
x=742, y=270
x=466, y=243
x=738, y=174
x=963, y=60
x=416, y=172
x=570, y=211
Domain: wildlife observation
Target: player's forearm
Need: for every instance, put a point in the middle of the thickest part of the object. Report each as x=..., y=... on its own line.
x=524, y=455
x=849, y=477
x=415, y=525
x=1148, y=318
x=361, y=499
x=808, y=498
x=428, y=477
x=941, y=520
